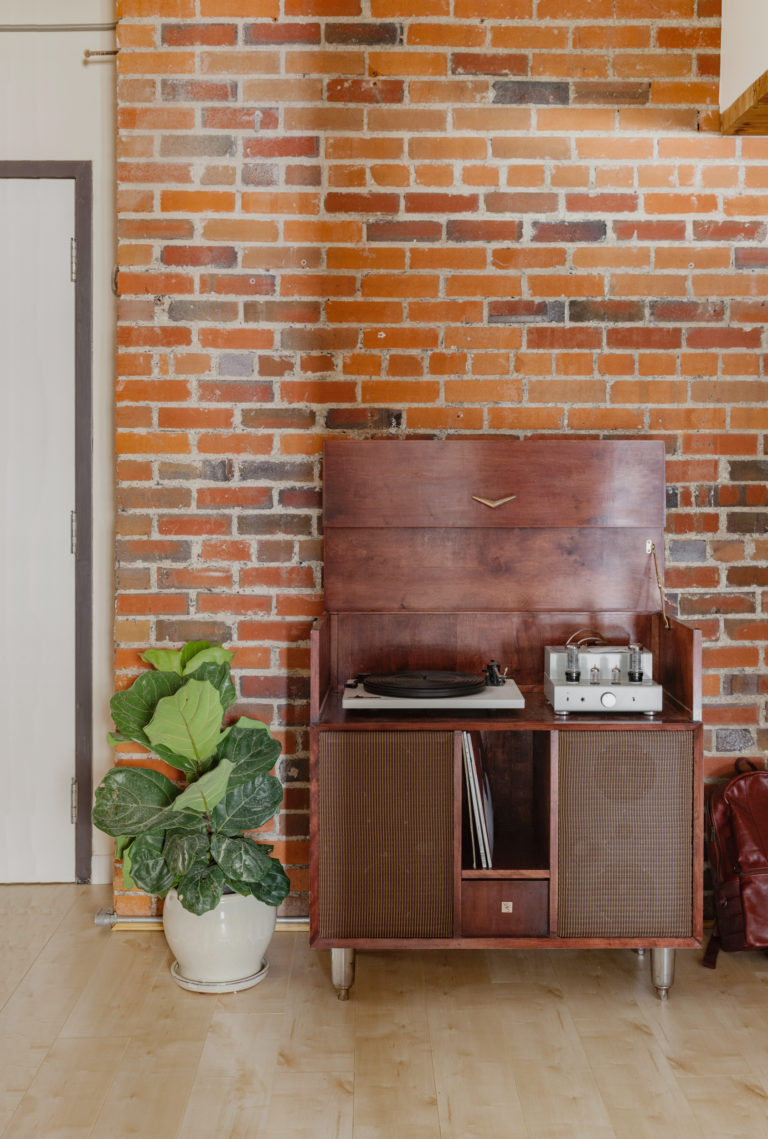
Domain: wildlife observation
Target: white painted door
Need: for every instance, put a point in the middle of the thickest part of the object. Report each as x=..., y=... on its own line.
x=37, y=494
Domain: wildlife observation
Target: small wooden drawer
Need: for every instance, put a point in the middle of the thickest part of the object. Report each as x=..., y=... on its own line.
x=505, y=907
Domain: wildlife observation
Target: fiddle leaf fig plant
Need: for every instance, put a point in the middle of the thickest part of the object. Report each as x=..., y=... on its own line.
x=190, y=833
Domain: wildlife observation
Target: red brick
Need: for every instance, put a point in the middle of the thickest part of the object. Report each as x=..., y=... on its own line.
x=441, y=203
x=155, y=283
x=157, y=62
x=184, y=35
x=729, y=714
x=197, y=201
x=240, y=496
x=499, y=202
x=228, y=284
x=362, y=203
x=193, y=525
x=571, y=337
x=483, y=230
x=282, y=33
x=226, y=551
x=489, y=63
x=649, y=230
x=145, y=604
x=221, y=255
x=601, y=203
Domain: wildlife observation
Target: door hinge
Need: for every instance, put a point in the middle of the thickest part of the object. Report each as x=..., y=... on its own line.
x=73, y=801
x=73, y=258
x=73, y=532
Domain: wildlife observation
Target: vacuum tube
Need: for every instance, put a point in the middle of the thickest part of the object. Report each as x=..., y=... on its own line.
x=635, y=671
x=572, y=672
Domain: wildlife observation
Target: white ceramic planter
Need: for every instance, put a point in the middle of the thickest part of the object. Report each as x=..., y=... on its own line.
x=221, y=951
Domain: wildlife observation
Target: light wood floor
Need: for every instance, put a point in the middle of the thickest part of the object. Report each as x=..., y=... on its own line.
x=97, y=1041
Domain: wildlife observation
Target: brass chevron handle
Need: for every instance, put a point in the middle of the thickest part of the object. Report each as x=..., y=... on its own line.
x=493, y=502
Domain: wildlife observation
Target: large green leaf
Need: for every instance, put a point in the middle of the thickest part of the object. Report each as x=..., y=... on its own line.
x=164, y=660
x=177, y=660
x=218, y=676
x=252, y=725
x=191, y=649
x=248, y=805
x=274, y=886
x=188, y=766
x=182, y=850
x=184, y=821
x=133, y=709
x=210, y=654
x=240, y=858
x=189, y=721
x=207, y=791
x=124, y=852
x=200, y=890
x=237, y=887
x=131, y=800
x=251, y=748
x=148, y=867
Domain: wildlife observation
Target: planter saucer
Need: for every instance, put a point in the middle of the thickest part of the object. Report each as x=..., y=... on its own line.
x=220, y=986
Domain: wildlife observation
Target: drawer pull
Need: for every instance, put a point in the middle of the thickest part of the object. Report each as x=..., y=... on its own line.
x=493, y=502
x=507, y=907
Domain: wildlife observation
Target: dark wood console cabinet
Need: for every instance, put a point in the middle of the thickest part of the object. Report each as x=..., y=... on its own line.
x=598, y=816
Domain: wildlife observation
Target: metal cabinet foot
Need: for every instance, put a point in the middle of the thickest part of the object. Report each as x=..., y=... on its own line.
x=343, y=971
x=662, y=971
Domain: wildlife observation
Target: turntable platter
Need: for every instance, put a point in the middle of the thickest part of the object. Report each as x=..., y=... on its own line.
x=428, y=684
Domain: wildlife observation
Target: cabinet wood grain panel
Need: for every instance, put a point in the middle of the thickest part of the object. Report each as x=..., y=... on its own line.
x=529, y=570
x=464, y=642
x=505, y=908
x=435, y=483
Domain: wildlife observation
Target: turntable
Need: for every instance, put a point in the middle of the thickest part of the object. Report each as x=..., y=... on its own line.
x=431, y=688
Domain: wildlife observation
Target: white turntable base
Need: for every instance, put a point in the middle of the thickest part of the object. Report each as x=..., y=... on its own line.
x=506, y=695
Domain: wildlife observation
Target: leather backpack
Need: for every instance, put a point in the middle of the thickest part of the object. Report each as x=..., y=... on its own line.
x=737, y=846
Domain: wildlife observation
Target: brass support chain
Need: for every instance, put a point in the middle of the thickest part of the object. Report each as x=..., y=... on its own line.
x=661, y=587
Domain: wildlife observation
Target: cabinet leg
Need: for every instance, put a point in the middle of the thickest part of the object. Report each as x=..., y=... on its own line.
x=662, y=971
x=343, y=971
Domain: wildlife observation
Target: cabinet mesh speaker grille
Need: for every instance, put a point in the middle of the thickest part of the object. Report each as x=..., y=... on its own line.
x=385, y=827
x=625, y=834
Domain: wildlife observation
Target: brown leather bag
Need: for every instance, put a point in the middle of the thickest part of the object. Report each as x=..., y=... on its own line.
x=737, y=846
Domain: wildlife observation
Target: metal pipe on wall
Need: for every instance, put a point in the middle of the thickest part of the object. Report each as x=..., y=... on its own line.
x=110, y=918
x=58, y=27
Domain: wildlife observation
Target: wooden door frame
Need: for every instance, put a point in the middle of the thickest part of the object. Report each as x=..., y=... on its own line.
x=82, y=175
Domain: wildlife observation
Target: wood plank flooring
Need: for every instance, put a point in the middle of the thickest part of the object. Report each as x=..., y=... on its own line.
x=97, y=1042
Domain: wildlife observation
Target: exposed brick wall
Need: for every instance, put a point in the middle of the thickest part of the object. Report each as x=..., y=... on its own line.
x=427, y=217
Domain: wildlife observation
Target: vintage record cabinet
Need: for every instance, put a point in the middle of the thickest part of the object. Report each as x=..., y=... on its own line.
x=445, y=555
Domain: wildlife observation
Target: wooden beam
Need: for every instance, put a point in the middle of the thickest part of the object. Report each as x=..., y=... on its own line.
x=749, y=113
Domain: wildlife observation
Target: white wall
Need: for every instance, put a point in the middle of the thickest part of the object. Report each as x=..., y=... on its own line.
x=55, y=106
x=744, y=47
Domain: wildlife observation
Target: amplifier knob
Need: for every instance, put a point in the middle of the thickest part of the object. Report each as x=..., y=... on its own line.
x=608, y=699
